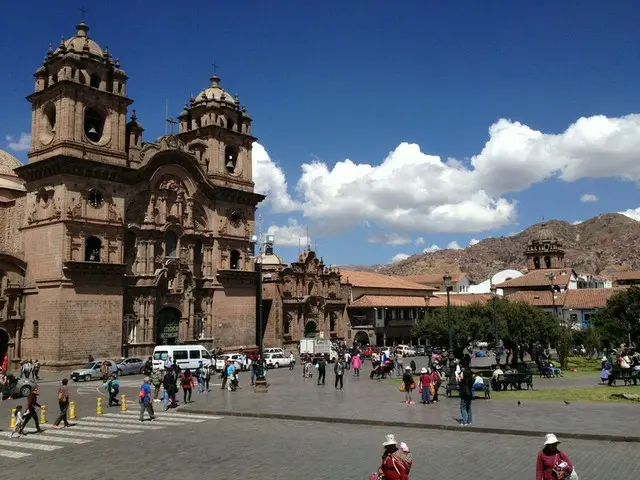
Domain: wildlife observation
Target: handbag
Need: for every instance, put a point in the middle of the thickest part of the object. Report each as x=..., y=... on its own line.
x=432, y=389
x=402, y=387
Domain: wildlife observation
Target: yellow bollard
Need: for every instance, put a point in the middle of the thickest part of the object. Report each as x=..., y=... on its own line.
x=72, y=410
x=43, y=414
x=123, y=403
x=99, y=406
x=12, y=420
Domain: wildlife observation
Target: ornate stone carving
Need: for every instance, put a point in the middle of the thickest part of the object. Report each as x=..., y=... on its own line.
x=224, y=226
x=75, y=209
x=112, y=213
x=32, y=217
x=56, y=211
x=184, y=255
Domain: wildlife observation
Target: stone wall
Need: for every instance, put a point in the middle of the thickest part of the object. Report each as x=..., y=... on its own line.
x=11, y=218
x=234, y=319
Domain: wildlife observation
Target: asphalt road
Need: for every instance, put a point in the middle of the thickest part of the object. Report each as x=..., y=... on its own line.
x=181, y=446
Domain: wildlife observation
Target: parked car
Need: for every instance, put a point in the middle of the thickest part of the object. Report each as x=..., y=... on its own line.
x=406, y=350
x=91, y=371
x=131, y=366
x=17, y=387
x=421, y=350
x=277, y=360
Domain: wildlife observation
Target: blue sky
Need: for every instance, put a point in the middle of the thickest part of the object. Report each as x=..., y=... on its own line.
x=374, y=117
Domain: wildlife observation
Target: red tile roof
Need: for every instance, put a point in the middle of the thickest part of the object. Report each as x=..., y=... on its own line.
x=370, y=301
x=435, y=279
x=379, y=280
x=539, y=278
x=459, y=299
x=590, y=297
x=628, y=275
x=537, y=298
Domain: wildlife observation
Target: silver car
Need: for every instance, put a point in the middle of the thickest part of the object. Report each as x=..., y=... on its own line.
x=92, y=371
x=17, y=387
x=131, y=366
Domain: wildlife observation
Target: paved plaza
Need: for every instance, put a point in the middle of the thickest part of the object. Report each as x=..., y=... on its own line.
x=255, y=449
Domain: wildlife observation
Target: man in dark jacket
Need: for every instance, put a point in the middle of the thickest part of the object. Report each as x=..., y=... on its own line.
x=466, y=395
x=169, y=382
x=322, y=370
x=31, y=412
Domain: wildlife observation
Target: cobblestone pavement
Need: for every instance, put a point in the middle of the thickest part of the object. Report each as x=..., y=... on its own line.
x=255, y=449
x=366, y=399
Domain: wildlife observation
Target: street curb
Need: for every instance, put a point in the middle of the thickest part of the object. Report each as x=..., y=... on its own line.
x=421, y=426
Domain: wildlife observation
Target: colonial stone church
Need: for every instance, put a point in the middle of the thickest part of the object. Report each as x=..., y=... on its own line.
x=109, y=244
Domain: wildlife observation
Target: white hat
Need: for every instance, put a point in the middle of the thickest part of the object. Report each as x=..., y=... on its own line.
x=550, y=439
x=407, y=368
x=424, y=370
x=391, y=440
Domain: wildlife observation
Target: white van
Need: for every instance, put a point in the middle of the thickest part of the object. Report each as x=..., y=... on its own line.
x=186, y=356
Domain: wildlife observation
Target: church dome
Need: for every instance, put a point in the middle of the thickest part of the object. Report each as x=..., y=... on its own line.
x=7, y=163
x=80, y=42
x=270, y=260
x=544, y=234
x=216, y=93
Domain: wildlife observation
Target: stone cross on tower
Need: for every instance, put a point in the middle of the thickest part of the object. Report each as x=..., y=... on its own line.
x=83, y=12
x=215, y=68
x=171, y=123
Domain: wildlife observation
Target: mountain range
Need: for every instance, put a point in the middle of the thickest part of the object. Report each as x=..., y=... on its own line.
x=602, y=245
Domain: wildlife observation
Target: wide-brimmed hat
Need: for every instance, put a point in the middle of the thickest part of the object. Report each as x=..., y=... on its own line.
x=391, y=440
x=550, y=439
x=407, y=368
x=424, y=370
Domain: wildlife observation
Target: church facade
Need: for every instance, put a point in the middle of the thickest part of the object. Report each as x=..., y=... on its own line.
x=115, y=245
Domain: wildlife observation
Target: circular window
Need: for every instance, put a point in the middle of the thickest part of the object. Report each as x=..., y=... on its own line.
x=236, y=219
x=95, y=198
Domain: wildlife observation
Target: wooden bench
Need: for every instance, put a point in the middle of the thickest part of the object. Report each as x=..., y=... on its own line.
x=486, y=388
x=514, y=381
x=627, y=376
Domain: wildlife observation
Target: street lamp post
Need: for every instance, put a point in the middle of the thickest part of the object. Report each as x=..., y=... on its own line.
x=497, y=352
x=448, y=287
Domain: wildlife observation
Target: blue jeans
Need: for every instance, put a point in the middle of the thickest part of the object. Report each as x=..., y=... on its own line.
x=465, y=410
x=426, y=395
x=253, y=376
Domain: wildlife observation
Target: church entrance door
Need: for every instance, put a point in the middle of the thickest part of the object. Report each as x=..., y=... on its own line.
x=310, y=330
x=362, y=338
x=168, y=326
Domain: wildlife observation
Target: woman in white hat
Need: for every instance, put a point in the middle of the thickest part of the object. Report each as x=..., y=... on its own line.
x=394, y=464
x=553, y=464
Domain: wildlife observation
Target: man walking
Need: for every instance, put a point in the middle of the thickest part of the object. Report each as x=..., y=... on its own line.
x=339, y=371
x=63, y=403
x=31, y=412
x=322, y=370
x=145, y=399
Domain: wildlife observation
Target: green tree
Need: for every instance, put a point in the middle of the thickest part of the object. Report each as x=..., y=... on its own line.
x=592, y=341
x=620, y=319
x=564, y=343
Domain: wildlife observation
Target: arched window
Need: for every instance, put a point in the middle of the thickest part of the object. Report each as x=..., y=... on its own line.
x=536, y=263
x=547, y=262
x=198, y=258
x=230, y=159
x=94, y=121
x=170, y=244
x=130, y=252
x=332, y=322
x=92, y=249
x=36, y=329
x=95, y=81
x=235, y=260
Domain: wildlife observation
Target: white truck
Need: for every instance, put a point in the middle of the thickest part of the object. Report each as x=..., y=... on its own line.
x=317, y=347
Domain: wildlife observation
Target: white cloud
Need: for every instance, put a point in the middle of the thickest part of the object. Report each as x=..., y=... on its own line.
x=418, y=241
x=431, y=249
x=388, y=239
x=577, y=222
x=633, y=213
x=588, y=198
x=270, y=181
x=454, y=246
x=399, y=257
x=414, y=191
x=473, y=241
x=290, y=235
x=513, y=234
x=20, y=144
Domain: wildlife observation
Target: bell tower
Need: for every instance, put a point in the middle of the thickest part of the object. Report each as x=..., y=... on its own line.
x=218, y=130
x=79, y=105
x=544, y=251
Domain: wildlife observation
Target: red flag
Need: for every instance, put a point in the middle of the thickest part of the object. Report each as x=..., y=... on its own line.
x=5, y=362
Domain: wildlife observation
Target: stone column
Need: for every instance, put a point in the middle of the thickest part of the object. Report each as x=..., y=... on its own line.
x=189, y=222
x=151, y=315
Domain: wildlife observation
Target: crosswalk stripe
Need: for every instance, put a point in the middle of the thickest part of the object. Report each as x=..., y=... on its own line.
x=105, y=429
x=171, y=414
x=71, y=433
x=29, y=446
x=162, y=418
x=12, y=454
x=112, y=419
x=139, y=426
x=50, y=438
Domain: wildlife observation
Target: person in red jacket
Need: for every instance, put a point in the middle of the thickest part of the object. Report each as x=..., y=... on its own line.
x=552, y=464
x=394, y=464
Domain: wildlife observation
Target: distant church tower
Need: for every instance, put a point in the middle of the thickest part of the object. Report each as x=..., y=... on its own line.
x=544, y=251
